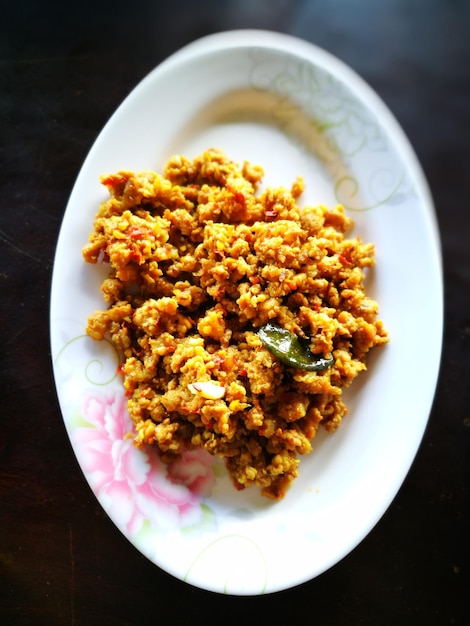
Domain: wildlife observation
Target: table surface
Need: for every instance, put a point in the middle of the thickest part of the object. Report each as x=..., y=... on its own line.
x=64, y=68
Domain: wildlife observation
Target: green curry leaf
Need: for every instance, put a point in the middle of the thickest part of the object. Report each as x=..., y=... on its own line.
x=290, y=349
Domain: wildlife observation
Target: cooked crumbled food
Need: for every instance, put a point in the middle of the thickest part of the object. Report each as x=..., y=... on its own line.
x=240, y=316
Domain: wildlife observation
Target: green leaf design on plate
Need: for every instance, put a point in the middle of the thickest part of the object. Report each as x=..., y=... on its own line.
x=96, y=370
x=325, y=117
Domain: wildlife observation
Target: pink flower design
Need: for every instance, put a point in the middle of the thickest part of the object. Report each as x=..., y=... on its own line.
x=131, y=484
x=193, y=469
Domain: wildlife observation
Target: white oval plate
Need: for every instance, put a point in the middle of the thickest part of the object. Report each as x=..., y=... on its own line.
x=296, y=110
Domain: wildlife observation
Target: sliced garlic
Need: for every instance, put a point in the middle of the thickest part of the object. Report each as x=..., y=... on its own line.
x=208, y=390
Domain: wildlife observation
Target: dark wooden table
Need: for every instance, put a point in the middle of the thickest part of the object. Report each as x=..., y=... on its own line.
x=64, y=68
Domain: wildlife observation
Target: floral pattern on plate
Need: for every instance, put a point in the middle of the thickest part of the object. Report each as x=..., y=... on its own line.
x=132, y=484
x=135, y=485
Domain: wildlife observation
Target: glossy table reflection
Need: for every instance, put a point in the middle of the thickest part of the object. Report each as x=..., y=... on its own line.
x=64, y=69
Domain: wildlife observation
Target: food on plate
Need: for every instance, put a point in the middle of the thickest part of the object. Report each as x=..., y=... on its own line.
x=239, y=315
